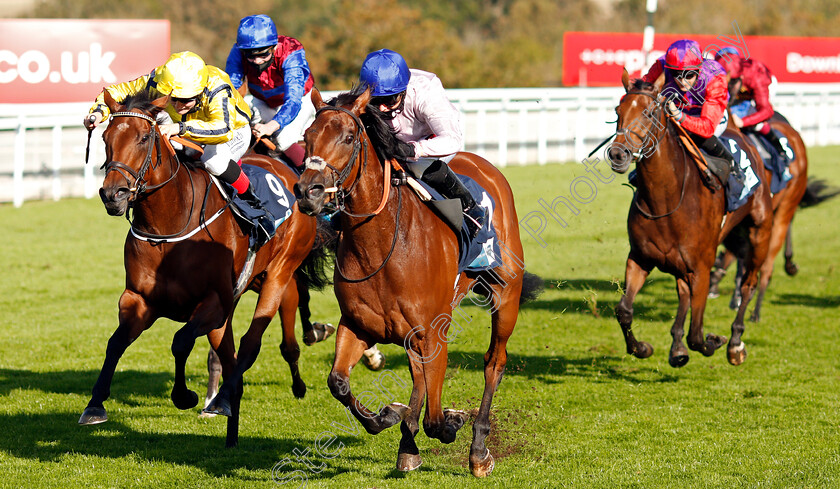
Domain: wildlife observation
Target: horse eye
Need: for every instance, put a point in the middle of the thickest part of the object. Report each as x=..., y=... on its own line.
x=348, y=139
x=144, y=139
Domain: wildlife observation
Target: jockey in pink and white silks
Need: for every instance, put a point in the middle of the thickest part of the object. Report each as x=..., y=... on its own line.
x=415, y=106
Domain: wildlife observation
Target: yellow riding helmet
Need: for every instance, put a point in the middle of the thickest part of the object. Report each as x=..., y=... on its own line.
x=184, y=75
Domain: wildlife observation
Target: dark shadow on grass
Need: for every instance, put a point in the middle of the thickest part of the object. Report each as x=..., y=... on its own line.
x=824, y=302
x=50, y=437
x=127, y=384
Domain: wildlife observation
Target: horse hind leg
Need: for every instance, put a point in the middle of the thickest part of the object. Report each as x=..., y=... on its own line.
x=722, y=262
x=756, y=258
x=408, y=457
x=791, y=268
x=289, y=347
x=699, y=285
x=634, y=279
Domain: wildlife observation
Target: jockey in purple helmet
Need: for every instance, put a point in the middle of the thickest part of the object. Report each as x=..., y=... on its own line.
x=279, y=79
x=698, y=96
x=418, y=111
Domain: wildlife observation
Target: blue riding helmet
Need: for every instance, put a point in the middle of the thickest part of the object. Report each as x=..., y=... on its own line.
x=256, y=31
x=386, y=72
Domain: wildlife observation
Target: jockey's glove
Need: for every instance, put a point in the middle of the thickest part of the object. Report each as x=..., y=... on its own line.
x=404, y=151
x=676, y=113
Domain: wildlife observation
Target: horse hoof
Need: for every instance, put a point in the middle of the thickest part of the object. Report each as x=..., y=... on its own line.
x=407, y=462
x=299, y=389
x=737, y=354
x=455, y=418
x=93, y=415
x=642, y=350
x=320, y=332
x=713, y=342
x=791, y=268
x=205, y=415
x=219, y=406
x=714, y=294
x=484, y=467
x=374, y=361
x=185, y=399
x=678, y=361
x=754, y=318
x=393, y=414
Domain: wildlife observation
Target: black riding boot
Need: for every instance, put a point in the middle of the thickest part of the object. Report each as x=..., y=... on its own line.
x=774, y=140
x=441, y=178
x=231, y=175
x=722, y=163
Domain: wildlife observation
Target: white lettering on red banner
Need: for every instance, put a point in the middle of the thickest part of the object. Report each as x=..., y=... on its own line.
x=72, y=60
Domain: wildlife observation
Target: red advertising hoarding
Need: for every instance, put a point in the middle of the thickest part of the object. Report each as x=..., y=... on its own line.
x=597, y=58
x=49, y=61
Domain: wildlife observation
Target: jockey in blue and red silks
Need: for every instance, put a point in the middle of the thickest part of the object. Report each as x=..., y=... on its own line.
x=750, y=83
x=698, y=95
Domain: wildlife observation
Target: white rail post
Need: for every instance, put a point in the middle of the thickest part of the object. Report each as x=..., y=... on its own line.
x=503, y=132
x=20, y=157
x=56, y=160
x=542, y=131
x=523, y=134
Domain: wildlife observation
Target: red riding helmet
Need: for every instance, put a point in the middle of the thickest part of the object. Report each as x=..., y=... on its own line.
x=684, y=55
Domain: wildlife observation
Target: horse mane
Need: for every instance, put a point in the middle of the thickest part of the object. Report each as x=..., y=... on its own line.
x=141, y=100
x=382, y=137
x=639, y=84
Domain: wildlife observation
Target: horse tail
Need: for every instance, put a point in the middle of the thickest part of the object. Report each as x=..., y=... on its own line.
x=532, y=286
x=816, y=192
x=312, y=272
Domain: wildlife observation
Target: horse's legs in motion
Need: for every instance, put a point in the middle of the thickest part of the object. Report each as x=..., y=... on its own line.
x=503, y=322
x=135, y=317
x=214, y=365
x=779, y=236
x=634, y=279
x=348, y=350
x=791, y=268
x=678, y=356
x=289, y=346
x=756, y=258
x=722, y=262
x=437, y=423
x=698, y=282
x=409, y=455
x=735, y=301
x=221, y=341
x=209, y=315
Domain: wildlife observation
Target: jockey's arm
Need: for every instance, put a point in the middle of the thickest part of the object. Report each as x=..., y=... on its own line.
x=217, y=126
x=119, y=92
x=763, y=107
x=712, y=111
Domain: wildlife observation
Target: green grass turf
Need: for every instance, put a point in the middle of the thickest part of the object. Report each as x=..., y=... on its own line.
x=572, y=411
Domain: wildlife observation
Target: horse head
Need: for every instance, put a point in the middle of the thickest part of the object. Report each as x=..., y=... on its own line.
x=336, y=150
x=641, y=122
x=132, y=147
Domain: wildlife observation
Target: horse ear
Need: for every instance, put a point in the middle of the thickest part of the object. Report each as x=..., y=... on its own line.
x=625, y=80
x=317, y=101
x=360, y=105
x=660, y=81
x=112, y=104
x=161, y=101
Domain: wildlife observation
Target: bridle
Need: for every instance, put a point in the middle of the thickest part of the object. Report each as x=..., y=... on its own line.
x=658, y=100
x=141, y=186
x=360, y=151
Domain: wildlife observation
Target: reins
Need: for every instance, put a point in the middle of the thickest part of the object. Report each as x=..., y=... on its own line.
x=360, y=150
x=657, y=101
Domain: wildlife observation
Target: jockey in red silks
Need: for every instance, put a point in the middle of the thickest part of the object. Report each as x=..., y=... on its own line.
x=697, y=93
x=750, y=83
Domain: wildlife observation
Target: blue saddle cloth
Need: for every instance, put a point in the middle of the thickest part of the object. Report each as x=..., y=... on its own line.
x=481, y=253
x=774, y=162
x=275, y=197
x=743, y=181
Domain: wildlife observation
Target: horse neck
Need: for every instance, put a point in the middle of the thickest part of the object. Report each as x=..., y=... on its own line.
x=661, y=174
x=166, y=209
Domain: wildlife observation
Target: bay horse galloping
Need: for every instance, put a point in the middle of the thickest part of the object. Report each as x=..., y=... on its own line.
x=675, y=223
x=396, y=275
x=785, y=204
x=183, y=255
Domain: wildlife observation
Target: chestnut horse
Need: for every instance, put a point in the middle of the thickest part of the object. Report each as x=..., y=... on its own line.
x=785, y=204
x=675, y=223
x=183, y=255
x=396, y=275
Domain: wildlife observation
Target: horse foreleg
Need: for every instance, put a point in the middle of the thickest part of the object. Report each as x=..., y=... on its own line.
x=699, y=284
x=348, y=349
x=409, y=455
x=678, y=356
x=209, y=315
x=779, y=237
x=756, y=258
x=634, y=279
x=135, y=317
x=433, y=352
x=220, y=340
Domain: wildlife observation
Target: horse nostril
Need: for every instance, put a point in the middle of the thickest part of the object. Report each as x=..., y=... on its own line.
x=315, y=191
x=297, y=191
